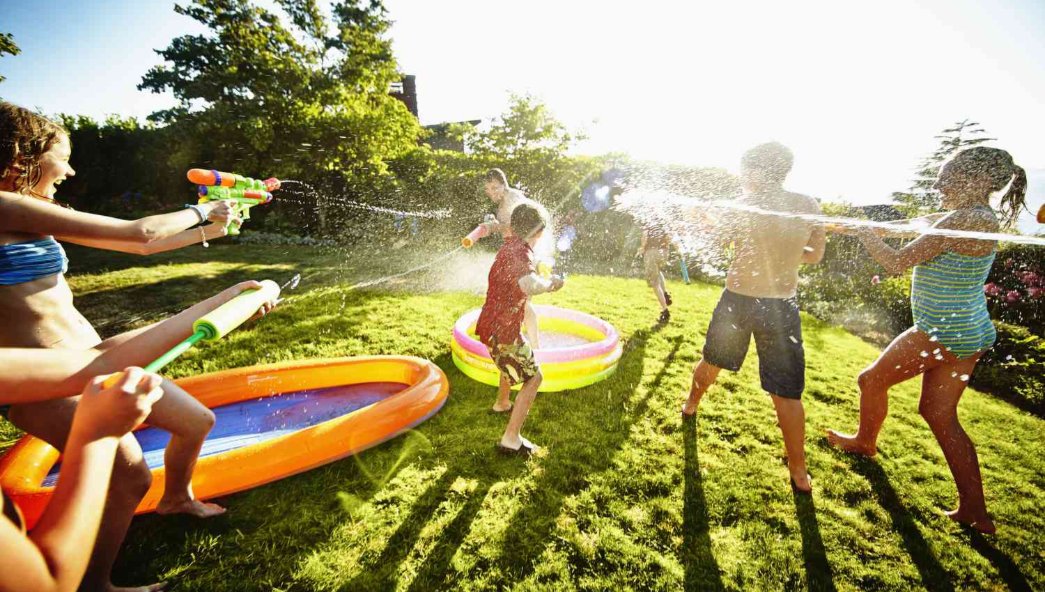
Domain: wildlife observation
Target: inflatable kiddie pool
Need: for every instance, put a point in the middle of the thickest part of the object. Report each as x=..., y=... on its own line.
x=577, y=349
x=273, y=421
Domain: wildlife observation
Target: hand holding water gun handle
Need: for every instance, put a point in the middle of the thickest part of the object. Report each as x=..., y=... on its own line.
x=243, y=192
x=479, y=232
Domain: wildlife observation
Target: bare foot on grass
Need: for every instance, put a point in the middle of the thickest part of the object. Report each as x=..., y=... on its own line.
x=802, y=482
x=849, y=444
x=983, y=524
x=192, y=507
x=689, y=408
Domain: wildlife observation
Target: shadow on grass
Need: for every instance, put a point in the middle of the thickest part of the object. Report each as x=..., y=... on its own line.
x=114, y=310
x=1007, y=568
x=934, y=576
x=575, y=461
x=818, y=569
x=702, y=571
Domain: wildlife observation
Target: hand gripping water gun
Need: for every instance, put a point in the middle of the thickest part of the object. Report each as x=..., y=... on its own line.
x=246, y=192
x=479, y=232
x=214, y=325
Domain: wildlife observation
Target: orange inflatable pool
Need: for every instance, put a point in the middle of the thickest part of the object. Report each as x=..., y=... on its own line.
x=273, y=421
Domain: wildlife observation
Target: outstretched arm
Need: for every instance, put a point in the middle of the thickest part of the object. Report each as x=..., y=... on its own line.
x=184, y=238
x=30, y=375
x=928, y=246
x=20, y=213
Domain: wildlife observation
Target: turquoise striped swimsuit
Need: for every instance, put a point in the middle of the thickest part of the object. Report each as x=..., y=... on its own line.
x=947, y=302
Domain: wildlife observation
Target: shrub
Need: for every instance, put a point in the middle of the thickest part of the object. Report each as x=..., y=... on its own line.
x=1014, y=368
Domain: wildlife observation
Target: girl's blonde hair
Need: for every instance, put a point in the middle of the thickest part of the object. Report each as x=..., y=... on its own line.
x=998, y=168
x=24, y=137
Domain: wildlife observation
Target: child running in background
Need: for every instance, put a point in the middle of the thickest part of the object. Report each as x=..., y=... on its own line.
x=513, y=280
x=760, y=296
x=952, y=326
x=653, y=249
x=56, y=554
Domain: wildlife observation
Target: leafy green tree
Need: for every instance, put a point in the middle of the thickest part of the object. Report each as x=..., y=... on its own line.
x=532, y=146
x=293, y=94
x=921, y=198
x=7, y=45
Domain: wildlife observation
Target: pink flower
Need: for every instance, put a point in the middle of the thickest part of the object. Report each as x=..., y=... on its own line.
x=875, y=280
x=1031, y=279
x=1012, y=297
x=992, y=289
x=1035, y=292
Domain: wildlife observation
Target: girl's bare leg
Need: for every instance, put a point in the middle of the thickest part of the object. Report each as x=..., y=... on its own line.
x=902, y=359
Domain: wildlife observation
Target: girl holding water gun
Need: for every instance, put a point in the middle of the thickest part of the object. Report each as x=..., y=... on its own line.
x=952, y=326
x=37, y=310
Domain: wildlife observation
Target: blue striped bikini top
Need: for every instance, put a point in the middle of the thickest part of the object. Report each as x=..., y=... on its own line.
x=25, y=262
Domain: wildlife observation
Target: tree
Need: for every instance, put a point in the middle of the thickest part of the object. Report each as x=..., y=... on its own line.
x=531, y=145
x=921, y=198
x=290, y=98
x=7, y=45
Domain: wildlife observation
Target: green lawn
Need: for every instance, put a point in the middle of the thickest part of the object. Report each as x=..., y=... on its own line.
x=625, y=494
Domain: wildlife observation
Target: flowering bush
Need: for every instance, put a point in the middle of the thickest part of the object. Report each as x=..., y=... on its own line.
x=1015, y=289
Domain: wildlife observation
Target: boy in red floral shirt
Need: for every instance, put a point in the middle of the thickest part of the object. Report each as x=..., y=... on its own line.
x=513, y=279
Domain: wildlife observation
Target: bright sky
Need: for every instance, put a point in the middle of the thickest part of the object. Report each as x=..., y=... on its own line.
x=857, y=91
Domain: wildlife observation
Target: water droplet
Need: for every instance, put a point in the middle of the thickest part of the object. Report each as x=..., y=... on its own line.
x=965, y=378
x=924, y=354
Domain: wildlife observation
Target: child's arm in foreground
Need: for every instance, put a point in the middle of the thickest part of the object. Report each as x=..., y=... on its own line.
x=19, y=213
x=30, y=375
x=55, y=555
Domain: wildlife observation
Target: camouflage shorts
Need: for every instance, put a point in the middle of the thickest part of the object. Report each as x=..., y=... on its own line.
x=515, y=360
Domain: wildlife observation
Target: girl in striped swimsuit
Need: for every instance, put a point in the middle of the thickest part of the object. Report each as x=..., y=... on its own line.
x=952, y=327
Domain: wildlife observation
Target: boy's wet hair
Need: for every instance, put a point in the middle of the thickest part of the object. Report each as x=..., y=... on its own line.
x=527, y=220
x=496, y=175
x=24, y=137
x=999, y=169
x=772, y=159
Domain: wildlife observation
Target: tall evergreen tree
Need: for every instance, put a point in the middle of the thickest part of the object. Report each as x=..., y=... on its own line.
x=921, y=198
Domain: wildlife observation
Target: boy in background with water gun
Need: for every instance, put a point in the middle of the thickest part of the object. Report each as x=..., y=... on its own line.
x=507, y=198
x=512, y=281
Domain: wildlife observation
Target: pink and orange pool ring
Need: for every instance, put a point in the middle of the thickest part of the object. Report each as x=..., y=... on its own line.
x=577, y=349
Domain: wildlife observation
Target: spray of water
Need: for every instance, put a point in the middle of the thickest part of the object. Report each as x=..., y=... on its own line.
x=309, y=191
x=681, y=216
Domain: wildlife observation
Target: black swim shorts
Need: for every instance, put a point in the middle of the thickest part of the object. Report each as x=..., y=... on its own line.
x=778, y=340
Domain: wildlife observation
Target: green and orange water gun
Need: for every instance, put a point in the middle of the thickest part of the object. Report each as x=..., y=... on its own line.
x=244, y=191
x=217, y=323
